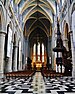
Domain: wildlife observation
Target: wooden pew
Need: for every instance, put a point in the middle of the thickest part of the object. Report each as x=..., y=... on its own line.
x=26, y=73
x=51, y=74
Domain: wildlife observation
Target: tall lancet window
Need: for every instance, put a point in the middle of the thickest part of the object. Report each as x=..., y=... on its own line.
x=38, y=49
x=34, y=49
x=38, y=52
x=42, y=52
x=34, y=53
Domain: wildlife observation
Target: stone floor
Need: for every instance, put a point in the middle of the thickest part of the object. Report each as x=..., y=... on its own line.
x=38, y=85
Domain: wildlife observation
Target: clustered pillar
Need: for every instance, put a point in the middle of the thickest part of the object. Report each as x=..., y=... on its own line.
x=9, y=63
x=73, y=55
x=2, y=42
x=26, y=52
x=15, y=58
x=49, y=49
x=15, y=54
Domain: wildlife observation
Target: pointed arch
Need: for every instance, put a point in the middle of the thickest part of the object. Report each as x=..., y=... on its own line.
x=32, y=11
x=28, y=34
x=48, y=3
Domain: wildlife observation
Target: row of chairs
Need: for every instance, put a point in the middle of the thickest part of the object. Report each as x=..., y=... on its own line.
x=51, y=74
x=25, y=73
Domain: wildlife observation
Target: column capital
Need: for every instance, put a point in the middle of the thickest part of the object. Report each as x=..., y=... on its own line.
x=65, y=39
x=2, y=32
x=49, y=38
x=16, y=46
x=26, y=38
x=71, y=33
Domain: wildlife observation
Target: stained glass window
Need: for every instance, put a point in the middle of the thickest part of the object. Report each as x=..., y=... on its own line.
x=42, y=49
x=34, y=49
x=42, y=52
x=38, y=49
x=34, y=53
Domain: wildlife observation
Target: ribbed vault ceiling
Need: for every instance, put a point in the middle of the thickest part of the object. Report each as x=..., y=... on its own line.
x=37, y=14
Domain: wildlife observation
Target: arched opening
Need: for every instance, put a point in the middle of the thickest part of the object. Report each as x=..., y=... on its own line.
x=67, y=38
x=37, y=29
x=66, y=30
x=38, y=48
x=8, y=45
x=13, y=52
x=8, y=39
x=68, y=54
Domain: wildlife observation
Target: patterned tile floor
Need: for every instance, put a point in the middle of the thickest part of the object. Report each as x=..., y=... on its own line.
x=38, y=85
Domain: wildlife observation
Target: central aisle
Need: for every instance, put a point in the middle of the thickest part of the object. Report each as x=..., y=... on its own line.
x=38, y=83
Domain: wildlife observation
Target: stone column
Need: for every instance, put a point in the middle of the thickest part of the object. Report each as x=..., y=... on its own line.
x=26, y=52
x=31, y=48
x=15, y=58
x=56, y=68
x=54, y=54
x=2, y=42
x=48, y=46
x=9, y=64
x=28, y=49
x=73, y=55
x=15, y=53
x=20, y=56
x=59, y=68
x=63, y=68
x=49, y=49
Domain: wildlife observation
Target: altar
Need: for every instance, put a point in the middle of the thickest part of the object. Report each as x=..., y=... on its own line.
x=38, y=65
